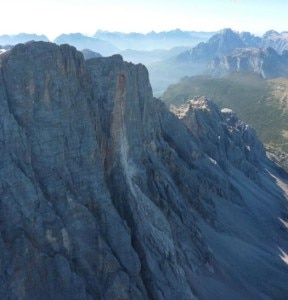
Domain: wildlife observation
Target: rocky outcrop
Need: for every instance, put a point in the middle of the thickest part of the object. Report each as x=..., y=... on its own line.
x=224, y=137
x=105, y=194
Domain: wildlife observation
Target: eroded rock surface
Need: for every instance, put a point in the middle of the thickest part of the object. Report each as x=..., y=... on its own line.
x=105, y=194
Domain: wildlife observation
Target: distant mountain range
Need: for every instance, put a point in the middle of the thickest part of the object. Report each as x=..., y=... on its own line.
x=153, y=40
x=81, y=42
x=21, y=38
x=171, y=55
x=87, y=53
x=107, y=42
x=223, y=52
x=134, y=47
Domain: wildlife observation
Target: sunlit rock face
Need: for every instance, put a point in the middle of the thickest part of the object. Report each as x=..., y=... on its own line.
x=266, y=62
x=105, y=194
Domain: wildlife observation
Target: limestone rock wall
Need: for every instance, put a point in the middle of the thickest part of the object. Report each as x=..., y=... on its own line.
x=105, y=194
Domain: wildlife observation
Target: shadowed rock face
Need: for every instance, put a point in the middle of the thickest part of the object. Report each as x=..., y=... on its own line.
x=105, y=194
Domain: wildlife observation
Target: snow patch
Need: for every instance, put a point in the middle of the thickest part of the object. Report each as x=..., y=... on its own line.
x=284, y=256
x=226, y=110
x=284, y=223
x=214, y=162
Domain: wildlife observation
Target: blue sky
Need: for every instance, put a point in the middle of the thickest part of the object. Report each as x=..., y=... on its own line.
x=87, y=16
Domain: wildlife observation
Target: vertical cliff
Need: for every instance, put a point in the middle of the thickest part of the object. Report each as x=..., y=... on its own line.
x=105, y=194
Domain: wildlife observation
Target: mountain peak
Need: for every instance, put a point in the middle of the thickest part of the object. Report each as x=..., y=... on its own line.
x=270, y=33
x=227, y=31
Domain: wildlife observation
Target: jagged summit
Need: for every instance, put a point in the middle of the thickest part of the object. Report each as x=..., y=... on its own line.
x=106, y=194
x=220, y=132
x=226, y=34
x=221, y=43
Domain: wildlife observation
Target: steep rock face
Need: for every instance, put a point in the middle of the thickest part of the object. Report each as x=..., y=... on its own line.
x=218, y=45
x=224, y=137
x=251, y=40
x=275, y=40
x=105, y=194
x=59, y=228
x=267, y=62
x=221, y=43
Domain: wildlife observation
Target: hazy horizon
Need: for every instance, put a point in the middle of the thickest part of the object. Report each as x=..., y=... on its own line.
x=131, y=32
x=55, y=17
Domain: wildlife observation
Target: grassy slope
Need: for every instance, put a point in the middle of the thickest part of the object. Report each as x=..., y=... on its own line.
x=261, y=103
